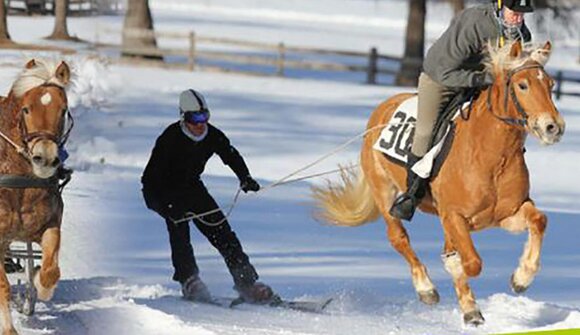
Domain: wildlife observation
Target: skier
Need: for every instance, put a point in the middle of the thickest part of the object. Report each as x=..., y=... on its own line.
x=172, y=187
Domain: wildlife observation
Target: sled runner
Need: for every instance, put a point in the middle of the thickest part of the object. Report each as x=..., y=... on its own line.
x=25, y=260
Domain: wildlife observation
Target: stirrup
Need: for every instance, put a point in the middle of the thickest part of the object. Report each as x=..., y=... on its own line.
x=404, y=207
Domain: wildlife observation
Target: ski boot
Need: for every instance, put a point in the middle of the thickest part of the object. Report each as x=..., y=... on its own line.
x=256, y=293
x=194, y=289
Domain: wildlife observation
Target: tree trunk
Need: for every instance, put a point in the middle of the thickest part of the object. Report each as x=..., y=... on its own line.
x=414, y=45
x=458, y=5
x=138, y=18
x=4, y=35
x=60, y=31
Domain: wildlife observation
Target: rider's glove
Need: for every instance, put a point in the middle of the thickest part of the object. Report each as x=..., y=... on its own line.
x=482, y=79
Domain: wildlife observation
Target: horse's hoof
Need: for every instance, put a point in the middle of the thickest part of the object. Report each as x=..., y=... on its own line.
x=473, y=318
x=430, y=297
x=518, y=289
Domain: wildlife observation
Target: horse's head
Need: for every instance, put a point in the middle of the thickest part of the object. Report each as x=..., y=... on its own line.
x=524, y=91
x=44, y=116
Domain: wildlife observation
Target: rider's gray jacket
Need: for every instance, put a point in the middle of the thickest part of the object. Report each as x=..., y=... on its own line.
x=455, y=59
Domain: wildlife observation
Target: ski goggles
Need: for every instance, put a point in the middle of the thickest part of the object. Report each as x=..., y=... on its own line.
x=196, y=117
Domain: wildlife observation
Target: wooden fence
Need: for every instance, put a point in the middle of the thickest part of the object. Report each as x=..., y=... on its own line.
x=274, y=56
x=560, y=78
x=76, y=7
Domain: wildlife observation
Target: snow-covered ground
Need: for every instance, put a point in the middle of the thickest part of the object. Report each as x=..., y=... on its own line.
x=115, y=254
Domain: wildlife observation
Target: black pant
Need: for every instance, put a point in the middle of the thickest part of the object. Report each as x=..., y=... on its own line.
x=221, y=237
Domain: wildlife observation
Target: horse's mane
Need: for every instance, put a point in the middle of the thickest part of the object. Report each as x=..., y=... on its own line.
x=499, y=58
x=43, y=72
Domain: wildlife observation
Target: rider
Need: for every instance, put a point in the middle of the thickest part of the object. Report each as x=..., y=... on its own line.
x=453, y=63
x=172, y=187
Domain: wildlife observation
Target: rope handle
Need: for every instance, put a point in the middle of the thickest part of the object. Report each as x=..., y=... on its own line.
x=286, y=179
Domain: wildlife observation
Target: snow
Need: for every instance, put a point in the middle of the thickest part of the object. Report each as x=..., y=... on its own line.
x=115, y=254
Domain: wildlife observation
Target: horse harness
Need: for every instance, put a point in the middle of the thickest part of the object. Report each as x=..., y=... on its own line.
x=523, y=121
x=63, y=175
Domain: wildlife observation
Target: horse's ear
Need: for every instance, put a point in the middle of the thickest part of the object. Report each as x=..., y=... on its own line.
x=542, y=54
x=63, y=73
x=516, y=50
x=31, y=63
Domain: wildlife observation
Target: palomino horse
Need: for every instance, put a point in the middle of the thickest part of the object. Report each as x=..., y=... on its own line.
x=483, y=182
x=33, y=125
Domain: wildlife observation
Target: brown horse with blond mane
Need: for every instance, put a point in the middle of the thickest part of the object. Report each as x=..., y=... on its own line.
x=483, y=183
x=33, y=125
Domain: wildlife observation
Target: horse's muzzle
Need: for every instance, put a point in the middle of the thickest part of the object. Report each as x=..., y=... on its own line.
x=44, y=158
x=548, y=129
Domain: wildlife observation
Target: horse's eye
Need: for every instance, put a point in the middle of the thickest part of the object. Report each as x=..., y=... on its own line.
x=523, y=86
x=64, y=110
x=25, y=110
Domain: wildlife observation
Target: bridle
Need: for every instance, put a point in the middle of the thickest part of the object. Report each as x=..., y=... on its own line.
x=510, y=92
x=29, y=137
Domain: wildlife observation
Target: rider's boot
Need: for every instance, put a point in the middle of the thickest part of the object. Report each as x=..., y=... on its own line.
x=404, y=206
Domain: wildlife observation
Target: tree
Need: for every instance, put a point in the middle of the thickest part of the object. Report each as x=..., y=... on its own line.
x=60, y=31
x=414, y=44
x=4, y=35
x=138, y=31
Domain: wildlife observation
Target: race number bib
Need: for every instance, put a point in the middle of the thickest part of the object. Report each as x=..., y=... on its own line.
x=396, y=138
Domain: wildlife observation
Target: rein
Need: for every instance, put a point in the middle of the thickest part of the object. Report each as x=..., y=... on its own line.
x=523, y=121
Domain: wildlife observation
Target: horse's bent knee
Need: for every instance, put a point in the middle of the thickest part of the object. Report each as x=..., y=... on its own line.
x=540, y=223
x=472, y=267
x=49, y=277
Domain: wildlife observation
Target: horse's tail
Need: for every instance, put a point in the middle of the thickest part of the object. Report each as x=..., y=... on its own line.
x=348, y=203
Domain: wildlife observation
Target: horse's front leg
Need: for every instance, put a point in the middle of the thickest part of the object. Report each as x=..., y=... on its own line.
x=46, y=278
x=527, y=217
x=452, y=262
x=5, y=298
x=456, y=228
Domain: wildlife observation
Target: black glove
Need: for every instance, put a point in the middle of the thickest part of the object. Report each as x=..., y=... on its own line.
x=482, y=79
x=249, y=184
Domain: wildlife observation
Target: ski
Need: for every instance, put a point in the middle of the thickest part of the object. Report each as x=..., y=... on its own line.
x=277, y=302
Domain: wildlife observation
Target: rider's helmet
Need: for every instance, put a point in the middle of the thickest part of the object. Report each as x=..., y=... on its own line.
x=192, y=107
x=522, y=6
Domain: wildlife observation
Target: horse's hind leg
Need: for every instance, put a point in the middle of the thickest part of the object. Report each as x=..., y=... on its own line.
x=384, y=192
x=5, y=299
x=452, y=262
x=46, y=278
x=527, y=217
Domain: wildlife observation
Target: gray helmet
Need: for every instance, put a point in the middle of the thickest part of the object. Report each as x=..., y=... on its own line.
x=192, y=101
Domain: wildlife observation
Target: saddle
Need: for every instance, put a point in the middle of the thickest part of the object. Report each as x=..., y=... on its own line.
x=396, y=140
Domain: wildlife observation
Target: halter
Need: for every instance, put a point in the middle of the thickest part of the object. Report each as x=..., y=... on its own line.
x=523, y=121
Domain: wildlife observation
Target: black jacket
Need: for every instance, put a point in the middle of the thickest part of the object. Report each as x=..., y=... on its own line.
x=176, y=163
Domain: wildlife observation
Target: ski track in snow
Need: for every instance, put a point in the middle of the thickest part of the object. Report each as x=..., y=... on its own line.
x=115, y=255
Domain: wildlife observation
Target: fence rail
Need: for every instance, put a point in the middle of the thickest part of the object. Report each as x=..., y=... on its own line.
x=277, y=56
x=560, y=78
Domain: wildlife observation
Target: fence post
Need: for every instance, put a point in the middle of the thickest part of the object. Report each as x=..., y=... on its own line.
x=191, y=55
x=281, y=57
x=559, y=80
x=372, y=68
